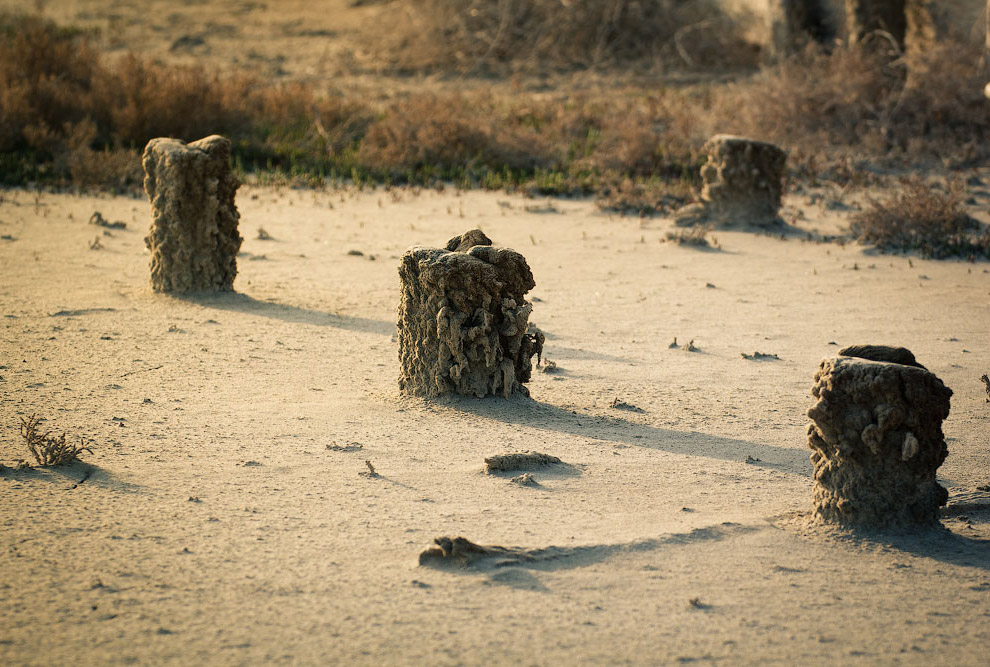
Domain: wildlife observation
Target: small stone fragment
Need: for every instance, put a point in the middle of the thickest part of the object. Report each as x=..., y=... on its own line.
x=519, y=461
x=525, y=479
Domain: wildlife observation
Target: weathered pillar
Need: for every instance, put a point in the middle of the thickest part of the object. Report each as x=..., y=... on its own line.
x=792, y=24
x=876, y=438
x=864, y=17
x=742, y=183
x=193, y=238
x=463, y=322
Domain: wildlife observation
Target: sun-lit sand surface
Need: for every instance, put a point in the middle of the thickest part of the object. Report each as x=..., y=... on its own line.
x=223, y=517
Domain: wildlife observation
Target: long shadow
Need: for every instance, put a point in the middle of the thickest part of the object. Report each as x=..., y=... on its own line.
x=945, y=546
x=244, y=303
x=938, y=542
x=461, y=554
x=73, y=476
x=543, y=416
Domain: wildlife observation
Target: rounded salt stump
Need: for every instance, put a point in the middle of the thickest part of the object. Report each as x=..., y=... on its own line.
x=792, y=24
x=463, y=320
x=742, y=183
x=876, y=436
x=865, y=17
x=193, y=239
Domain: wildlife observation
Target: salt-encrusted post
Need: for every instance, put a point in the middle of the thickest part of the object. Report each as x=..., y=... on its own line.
x=463, y=322
x=792, y=24
x=876, y=436
x=193, y=239
x=742, y=183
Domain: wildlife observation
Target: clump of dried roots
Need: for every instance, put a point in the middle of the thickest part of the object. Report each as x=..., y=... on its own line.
x=49, y=450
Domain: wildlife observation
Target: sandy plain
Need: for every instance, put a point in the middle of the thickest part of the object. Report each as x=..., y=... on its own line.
x=222, y=517
x=218, y=523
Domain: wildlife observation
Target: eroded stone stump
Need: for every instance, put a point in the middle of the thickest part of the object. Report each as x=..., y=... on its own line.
x=742, y=184
x=792, y=24
x=463, y=322
x=914, y=25
x=864, y=17
x=876, y=440
x=193, y=239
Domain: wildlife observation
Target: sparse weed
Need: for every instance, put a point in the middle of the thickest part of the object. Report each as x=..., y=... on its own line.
x=922, y=218
x=72, y=117
x=49, y=450
x=692, y=236
x=482, y=36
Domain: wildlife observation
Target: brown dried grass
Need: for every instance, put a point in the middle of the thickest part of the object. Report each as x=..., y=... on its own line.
x=485, y=36
x=925, y=106
x=922, y=218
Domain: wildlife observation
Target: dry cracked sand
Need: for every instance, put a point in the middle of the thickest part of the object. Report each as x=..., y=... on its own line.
x=223, y=517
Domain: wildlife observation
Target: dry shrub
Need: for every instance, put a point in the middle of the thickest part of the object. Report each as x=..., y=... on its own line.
x=139, y=100
x=46, y=78
x=541, y=35
x=49, y=450
x=696, y=236
x=924, y=106
x=62, y=106
x=453, y=131
x=924, y=219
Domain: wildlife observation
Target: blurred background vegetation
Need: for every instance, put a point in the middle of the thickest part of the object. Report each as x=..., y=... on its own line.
x=496, y=94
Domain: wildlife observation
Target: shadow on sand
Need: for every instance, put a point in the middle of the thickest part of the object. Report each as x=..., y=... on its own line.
x=73, y=476
x=524, y=411
x=243, y=303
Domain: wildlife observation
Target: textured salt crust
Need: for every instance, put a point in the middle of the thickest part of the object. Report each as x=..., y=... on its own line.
x=463, y=323
x=877, y=441
x=519, y=461
x=193, y=239
x=742, y=184
x=894, y=355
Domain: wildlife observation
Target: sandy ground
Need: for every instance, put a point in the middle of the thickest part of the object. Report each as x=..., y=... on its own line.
x=215, y=522
x=222, y=517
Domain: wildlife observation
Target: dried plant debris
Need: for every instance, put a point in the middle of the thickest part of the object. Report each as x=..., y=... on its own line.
x=49, y=450
x=549, y=366
x=760, y=356
x=349, y=447
x=370, y=472
x=519, y=461
x=690, y=347
x=986, y=381
x=622, y=405
x=96, y=244
x=263, y=235
x=459, y=551
x=98, y=220
x=923, y=217
x=696, y=236
x=525, y=479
